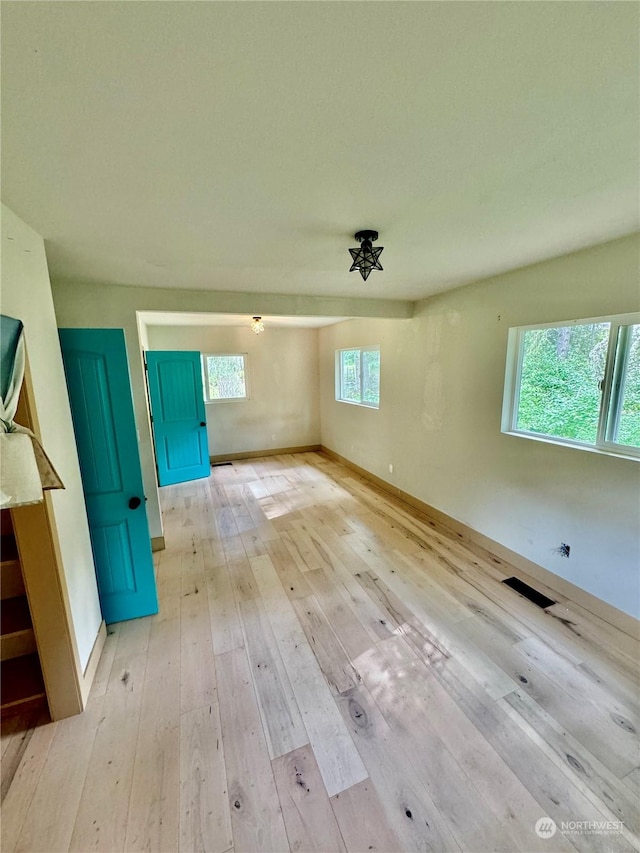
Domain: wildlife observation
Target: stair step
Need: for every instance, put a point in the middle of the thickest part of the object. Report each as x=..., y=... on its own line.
x=17, y=644
x=11, y=580
x=22, y=688
x=21, y=681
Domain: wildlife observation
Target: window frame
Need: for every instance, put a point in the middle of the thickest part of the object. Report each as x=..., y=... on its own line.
x=610, y=391
x=338, y=376
x=205, y=379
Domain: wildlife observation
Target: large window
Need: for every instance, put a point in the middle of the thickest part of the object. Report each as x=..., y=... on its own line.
x=225, y=377
x=358, y=376
x=576, y=383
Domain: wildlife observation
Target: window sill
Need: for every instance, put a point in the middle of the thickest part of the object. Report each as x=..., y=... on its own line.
x=361, y=405
x=602, y=451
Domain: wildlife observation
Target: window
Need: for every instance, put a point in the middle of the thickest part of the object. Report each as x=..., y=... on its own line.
x=225, y=377
x=358, y=376
x=577, y=383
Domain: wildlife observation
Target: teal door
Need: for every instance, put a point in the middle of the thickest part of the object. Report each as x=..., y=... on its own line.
x=178, y=415
x=97, y=371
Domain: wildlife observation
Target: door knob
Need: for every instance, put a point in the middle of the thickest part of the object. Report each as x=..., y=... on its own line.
x=134, y=503
x=203, y=423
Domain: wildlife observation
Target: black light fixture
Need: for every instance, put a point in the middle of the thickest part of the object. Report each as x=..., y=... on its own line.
x=366, y=258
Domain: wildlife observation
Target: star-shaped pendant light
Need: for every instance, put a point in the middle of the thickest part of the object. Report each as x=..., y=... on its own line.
x=366, y=258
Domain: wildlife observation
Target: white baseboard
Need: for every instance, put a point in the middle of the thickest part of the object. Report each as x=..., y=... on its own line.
x=254, y=454
x=92, y=664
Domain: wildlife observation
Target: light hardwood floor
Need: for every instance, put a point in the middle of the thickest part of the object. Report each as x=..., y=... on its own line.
x=329, y=671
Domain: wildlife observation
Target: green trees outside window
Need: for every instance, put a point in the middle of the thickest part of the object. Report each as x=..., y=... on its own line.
x=561, y=373
x=358, y=372
x=578, y=382
x=225, y=377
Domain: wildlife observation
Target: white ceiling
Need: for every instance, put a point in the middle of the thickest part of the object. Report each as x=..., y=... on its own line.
x=238, y=146
x=184, y=318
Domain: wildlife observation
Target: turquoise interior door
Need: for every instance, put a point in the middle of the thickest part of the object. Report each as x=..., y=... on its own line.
x=97, y=371
x=178, y=412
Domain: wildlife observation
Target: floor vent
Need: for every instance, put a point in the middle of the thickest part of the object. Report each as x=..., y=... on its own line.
x=220, y=464
x=529, y=592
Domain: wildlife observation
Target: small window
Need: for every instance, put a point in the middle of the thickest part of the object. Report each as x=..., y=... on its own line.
x=358, y=376
x=225, y=377
x=577, y=383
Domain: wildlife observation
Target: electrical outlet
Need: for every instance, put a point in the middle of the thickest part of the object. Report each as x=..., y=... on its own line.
x=273, y=437
x=390, y=468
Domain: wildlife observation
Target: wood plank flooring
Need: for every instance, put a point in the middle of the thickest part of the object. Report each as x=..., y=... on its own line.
x=331, y=671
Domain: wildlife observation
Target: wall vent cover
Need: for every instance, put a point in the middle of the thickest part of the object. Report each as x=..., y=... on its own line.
x=529, y=592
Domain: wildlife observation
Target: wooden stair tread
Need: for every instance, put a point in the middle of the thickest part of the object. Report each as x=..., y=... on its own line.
x=11, y=579
x=14, y=615
x=21, y=680
x=18, y=644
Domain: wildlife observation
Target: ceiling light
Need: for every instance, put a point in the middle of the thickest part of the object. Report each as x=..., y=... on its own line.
x=366, y=258
x=257, y=325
